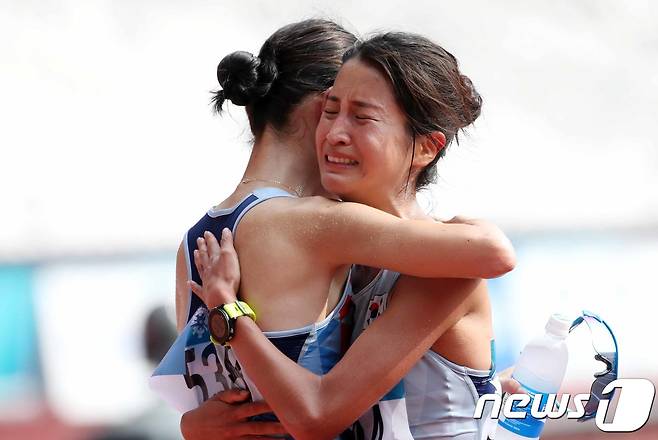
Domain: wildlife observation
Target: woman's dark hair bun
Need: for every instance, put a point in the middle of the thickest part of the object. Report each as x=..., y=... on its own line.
x=297, y=61
x=472, y=101
x=243, y=78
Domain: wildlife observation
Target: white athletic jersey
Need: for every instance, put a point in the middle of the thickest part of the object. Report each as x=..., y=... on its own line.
x=441, y=398
x=435, y=400
x=388, y=418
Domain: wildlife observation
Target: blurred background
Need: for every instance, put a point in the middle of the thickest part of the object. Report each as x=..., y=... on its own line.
x=110, y=152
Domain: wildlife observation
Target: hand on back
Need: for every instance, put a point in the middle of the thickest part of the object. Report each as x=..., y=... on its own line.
x=226, y=416
x=218, y=268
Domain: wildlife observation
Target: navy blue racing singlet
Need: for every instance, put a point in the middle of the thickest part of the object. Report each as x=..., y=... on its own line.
x=194, y=369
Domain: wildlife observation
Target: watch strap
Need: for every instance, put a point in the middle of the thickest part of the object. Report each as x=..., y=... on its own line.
x=239, y=308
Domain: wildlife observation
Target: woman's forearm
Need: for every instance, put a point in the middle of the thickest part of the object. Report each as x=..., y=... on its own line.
x=317, y=407
x=457, y=250
x=351, y=233
x=292, y=391
x=496, y=255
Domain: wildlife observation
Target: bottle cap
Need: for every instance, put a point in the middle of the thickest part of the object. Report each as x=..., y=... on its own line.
x=558, y=325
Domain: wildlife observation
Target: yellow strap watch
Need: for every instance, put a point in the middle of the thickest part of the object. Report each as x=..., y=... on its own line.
x=221, y=321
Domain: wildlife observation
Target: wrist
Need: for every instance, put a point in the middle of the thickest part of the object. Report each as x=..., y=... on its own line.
x=217, y=297
x=242, y=326
x=223, y=320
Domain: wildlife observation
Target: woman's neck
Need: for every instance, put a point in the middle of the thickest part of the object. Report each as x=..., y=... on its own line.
x=287, y=162
x=405, y=208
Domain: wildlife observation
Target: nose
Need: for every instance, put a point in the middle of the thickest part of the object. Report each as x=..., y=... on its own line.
x=338, y=133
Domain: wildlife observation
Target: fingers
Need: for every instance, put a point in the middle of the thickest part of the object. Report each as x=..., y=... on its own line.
x=260, y=429
x=511, y=386
x=228, y=251
x=197, y=261
x=508, y=383
x=269, y=428
x=201, y=258
x=231, y=396
x=198, y=290
x=208, y=246
x=201, y=243
x=251, y=409
x=229, y=259
x=506, y=373
x=218, y=267
x=227, y=238
x=211, y=242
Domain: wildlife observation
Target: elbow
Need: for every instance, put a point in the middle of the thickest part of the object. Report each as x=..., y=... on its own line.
x=309, y=433
x=506, y=262
x=315, y=434
x=314, y=416
x=502, y=258
x=316, y=420
x=311, y=425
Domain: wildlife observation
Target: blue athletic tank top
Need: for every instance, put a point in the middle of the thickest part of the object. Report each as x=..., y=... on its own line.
x=195, y=369
x=215, y=220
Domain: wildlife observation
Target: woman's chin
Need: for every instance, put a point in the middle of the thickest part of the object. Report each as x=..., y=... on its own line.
x=335, y=184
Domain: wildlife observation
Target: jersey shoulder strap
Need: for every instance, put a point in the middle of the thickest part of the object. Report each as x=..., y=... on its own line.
x=215, y=220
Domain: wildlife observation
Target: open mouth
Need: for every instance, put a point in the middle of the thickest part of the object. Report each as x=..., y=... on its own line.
x=340, y=160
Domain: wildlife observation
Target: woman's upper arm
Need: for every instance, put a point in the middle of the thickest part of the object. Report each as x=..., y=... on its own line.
x=351, y=233
x=182, y=291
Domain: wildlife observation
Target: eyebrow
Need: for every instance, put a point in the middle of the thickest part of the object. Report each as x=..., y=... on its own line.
x=357, y=103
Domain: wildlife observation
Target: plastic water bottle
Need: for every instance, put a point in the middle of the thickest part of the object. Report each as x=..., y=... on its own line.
x=540, y=370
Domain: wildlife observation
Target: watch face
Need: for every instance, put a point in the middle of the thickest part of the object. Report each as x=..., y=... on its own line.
x=218, y=326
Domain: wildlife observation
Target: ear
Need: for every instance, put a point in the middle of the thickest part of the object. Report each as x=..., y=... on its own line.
x=427, y=148
x=323, y=97
x=319, y=101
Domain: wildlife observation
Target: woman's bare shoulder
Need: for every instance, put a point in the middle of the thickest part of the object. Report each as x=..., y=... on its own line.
x=286, y=216
x=295, y=209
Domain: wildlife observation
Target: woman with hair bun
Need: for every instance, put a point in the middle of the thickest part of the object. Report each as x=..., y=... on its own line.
x=296, y=245
x=397, y=103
